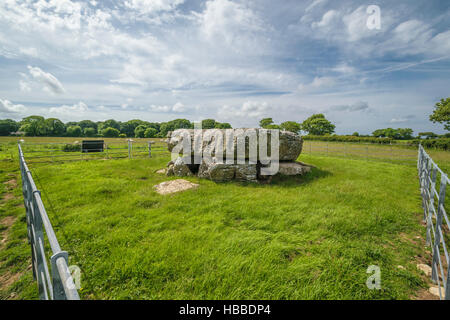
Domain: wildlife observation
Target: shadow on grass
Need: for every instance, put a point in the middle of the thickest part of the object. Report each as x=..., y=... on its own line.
x=287, y=181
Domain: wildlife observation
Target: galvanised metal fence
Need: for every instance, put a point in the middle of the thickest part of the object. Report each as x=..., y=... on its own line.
x=395, y=153
x=44, y=152
x=56, y=282
x=435, y=215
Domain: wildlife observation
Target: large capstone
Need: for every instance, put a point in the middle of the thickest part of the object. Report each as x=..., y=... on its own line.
x=290, y=144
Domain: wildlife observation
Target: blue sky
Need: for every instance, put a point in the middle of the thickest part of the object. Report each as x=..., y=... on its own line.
x=234, y=61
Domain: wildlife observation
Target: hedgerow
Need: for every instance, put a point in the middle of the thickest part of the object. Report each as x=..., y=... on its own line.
x=442, y=143
x=349, y=139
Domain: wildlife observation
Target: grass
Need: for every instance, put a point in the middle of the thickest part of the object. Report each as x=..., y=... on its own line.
x=15, y=254
x=398, y=153
x=300, y=238
x=307, y=238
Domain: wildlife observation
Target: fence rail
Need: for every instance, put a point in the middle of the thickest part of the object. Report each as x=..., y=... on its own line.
x=56, y=282
x=435, y=215
x=397, y=153
x=64, y=152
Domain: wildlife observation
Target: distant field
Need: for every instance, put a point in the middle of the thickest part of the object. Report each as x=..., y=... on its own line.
x=50, y=149
x=398, y=153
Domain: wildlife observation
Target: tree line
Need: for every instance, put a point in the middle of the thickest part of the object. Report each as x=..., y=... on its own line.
x=52, y=127
x=315, y=125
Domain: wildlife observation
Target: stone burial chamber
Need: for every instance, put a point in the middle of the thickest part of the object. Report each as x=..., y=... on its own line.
x=231, y=154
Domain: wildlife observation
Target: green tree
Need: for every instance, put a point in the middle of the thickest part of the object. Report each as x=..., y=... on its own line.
x=110, y=132
x=317, y=124
x=427, y=135
x=399, y=134
x=208, y=124
x=291, y=126
x=355, y=134
x=165, y=128
x=111, y=123
x=181, y=124
x=441, y=113
x=74, y=131
x=33, y=126
x=150, y=133
x=379, y=133
x=122, y=135
x=7, y=126
x=263, y=123
x=89, y=132
x=224, y=125
x=55, y=127
x=404, y=133
x=140, y=131
x=128, y=127
x=87, y=124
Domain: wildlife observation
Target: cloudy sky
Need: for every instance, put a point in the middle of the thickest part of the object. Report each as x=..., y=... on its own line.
x=232, y=60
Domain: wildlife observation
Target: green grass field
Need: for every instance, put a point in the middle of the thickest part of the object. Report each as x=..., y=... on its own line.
x=299, y=238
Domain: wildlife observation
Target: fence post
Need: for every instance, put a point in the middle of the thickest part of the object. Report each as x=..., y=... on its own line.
x=58, y=286
x=129, y=148
x=38, y=237
x=149, y=149
x=30, y=209
x=437, y=237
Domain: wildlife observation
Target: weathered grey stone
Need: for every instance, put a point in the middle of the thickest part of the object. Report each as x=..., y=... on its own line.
x=289, y=149
x=221, y=172
x=180, y=168
x=434, y=290
x=169, y=171
x=246, y=172
x=292, y=168
x=424, y=268
x=173, y=186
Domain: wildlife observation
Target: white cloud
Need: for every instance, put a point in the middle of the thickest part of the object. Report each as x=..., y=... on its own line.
x=317, y=84
x=402, y=119
x=248, y=110
x=314, y=4
x=229, y=21
x=50, y=83
x=73, y=110
x=344, y=68
x=327, y=19
x=176, y=108
x=358, y=106
x=24, y=86
x=152, y=6
x=8, y=107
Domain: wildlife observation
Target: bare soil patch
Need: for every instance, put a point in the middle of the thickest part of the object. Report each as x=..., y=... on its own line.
x=8, y=222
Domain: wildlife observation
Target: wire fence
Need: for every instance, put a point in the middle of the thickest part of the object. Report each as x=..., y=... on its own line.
x=55, y=282
x=63, y=152
x=433, y=185
x=397, y=153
